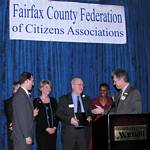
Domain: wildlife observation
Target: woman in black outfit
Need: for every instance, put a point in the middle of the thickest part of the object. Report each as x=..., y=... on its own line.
x=46, y=122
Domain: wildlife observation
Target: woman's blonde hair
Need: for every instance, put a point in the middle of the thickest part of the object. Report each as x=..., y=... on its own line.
x=44, y=82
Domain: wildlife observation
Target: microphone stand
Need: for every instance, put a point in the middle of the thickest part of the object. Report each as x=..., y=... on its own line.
x=111, y=107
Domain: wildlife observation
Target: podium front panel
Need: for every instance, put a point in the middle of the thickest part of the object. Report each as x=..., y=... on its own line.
x=122, y=132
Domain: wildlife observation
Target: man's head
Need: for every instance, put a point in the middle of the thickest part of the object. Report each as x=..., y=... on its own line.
x=26, y=80
x=120, y=78
x=77, y=85
x=15, y=86
x=103, y=89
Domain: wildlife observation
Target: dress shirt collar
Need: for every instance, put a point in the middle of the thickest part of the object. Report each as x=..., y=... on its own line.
x=27, y=92
x=123, y=90
x=74, y=98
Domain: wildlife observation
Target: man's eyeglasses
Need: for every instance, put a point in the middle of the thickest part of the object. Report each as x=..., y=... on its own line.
x=79, y=84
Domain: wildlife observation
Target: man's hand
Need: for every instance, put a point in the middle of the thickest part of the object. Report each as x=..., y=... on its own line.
x=10, y=126
x=74, y=122
x=28, y=140
x=98, y=110
x=89, y=119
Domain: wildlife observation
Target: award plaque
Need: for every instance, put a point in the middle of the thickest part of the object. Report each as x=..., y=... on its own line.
x=82, y=119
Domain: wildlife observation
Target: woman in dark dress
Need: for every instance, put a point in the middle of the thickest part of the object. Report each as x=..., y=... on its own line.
x=104, y=101
x=46, y=122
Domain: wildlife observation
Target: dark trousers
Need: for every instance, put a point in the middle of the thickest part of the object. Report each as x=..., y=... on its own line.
x=46, y=141
x=75, y=139
x=9, y=140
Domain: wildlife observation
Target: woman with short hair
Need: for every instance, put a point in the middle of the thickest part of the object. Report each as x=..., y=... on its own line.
x=46, y=122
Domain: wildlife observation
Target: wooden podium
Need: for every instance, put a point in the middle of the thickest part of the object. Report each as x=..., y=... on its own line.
x=121, y=132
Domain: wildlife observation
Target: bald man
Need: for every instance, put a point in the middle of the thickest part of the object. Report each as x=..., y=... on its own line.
x=74, y=136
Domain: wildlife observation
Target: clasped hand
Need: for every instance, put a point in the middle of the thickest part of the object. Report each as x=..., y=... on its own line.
x=51, y=130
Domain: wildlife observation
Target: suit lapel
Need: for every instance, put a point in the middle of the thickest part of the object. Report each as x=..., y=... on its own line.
x=127, y=91
x=30, y=101
x=27, y=97
x=118, y=98
x=70, y=101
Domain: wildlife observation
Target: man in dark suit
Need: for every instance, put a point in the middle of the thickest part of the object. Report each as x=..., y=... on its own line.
x=128, y=100
x=9, y=113
x=74, y=136
x=23, y=114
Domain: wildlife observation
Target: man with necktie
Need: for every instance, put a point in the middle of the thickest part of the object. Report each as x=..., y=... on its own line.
x=128, y=100
x=23, y=114
x=74, y=136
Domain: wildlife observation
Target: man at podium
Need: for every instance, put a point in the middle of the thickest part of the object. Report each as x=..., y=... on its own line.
x=128, y=100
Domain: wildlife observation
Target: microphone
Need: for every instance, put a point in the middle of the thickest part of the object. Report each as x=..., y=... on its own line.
x=113, y=101
x=108, y=110
x=112, y=106
x=113, y=98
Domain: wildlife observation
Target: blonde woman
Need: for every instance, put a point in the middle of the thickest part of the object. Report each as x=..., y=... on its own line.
x=46, y=122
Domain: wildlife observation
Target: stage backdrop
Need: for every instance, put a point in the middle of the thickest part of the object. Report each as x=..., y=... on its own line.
x=60, y=61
